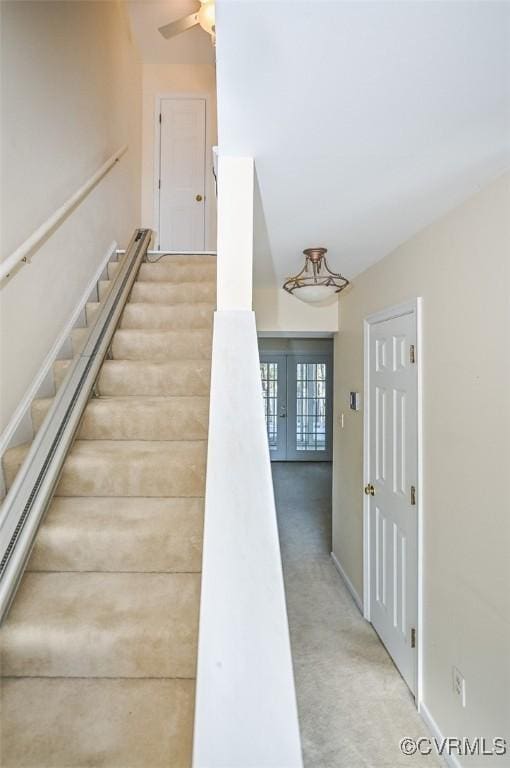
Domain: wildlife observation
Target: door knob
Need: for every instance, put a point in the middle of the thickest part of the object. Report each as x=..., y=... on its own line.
x=198, y=198
x=369, y=489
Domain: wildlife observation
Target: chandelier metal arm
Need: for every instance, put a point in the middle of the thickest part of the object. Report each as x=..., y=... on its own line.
x=316, y=257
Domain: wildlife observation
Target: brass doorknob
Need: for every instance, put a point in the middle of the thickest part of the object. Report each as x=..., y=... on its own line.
x=198, y=198
x=369, y=489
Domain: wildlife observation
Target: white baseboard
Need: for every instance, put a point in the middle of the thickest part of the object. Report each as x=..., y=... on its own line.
x=348, y=583
x=19, y=428
x=452, y=761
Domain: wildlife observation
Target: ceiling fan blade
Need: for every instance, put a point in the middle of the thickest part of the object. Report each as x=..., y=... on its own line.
x=181, y=25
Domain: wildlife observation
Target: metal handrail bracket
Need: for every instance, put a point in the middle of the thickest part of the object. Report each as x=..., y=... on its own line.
x=36, y=481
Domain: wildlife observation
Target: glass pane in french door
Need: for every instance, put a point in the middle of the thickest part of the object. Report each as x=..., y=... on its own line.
x=269, y=374
x=273, y=372
x=311, y=415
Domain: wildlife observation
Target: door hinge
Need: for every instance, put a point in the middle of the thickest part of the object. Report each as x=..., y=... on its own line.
x=159, y=183
x=412, y=354
x=413, y=496
x=413, y=637
x=160, y=117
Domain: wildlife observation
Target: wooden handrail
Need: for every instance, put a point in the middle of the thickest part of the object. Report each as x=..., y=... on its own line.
x=21, y=253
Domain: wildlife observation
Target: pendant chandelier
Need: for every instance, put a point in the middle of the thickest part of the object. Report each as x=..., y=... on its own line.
x=316, y=282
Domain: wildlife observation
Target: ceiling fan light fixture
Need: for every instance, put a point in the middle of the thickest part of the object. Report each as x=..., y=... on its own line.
x=206, y=17
x=316, y=283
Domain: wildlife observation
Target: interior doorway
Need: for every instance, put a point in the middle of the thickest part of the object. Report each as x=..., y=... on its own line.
x=180, y=195
x=297, y=386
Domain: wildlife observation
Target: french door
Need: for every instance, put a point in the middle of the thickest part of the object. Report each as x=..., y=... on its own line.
x=297, y=392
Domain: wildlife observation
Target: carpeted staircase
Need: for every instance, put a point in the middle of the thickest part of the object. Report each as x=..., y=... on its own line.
x=98, y=653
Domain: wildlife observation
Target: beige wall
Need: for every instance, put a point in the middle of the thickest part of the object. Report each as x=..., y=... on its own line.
x=162, y=78
x=277, y=311
x=71, y=95
x=460, y=265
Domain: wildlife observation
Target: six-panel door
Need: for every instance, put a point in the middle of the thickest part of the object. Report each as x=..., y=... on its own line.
x=392, y=473
x=182, y=175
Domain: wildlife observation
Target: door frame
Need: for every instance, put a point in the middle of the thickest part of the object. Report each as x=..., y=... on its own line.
x=193, y=96
x=413, y=306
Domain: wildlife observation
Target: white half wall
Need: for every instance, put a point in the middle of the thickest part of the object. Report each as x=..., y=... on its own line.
x=245, y=712
x=460, y=267
x=71, y=95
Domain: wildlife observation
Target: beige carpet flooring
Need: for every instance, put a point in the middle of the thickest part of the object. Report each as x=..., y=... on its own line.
x=353, y=705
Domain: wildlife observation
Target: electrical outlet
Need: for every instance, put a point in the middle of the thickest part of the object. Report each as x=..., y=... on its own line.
x=459, y=685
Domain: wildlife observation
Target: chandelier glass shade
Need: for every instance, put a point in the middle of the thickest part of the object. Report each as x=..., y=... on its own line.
x=315, y=283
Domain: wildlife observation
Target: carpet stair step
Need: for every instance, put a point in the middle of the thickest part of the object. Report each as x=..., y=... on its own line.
x=127, y=418
x=96, y=624
x=103, y=288
x=146, y=315
x=172, y=293
x=158, y=346
x=125, y=468
x=137, y=377
x=78, y=338
x=60, y=368
x=185, y=259
x=173, y=272
x=91, y=311
x=177, y=273
x=155, y=335
x=73, y=723
x=120, y=534
x=170, y=261
x=140, y=378
x=166, y=293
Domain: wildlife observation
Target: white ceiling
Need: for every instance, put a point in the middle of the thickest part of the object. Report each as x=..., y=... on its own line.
x=190, y=47
x=367, y=120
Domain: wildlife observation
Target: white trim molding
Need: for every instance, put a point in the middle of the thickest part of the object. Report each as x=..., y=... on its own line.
x=413, y=306
x=348, y=583
x=451, y=761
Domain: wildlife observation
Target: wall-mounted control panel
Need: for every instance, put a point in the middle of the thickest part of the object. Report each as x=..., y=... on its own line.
x=354, y=401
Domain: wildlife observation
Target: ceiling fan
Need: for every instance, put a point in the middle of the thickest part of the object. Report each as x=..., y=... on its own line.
x=203, y=16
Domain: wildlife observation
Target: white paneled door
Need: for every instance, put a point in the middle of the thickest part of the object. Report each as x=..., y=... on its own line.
x=392, y=487
x=182, y=174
